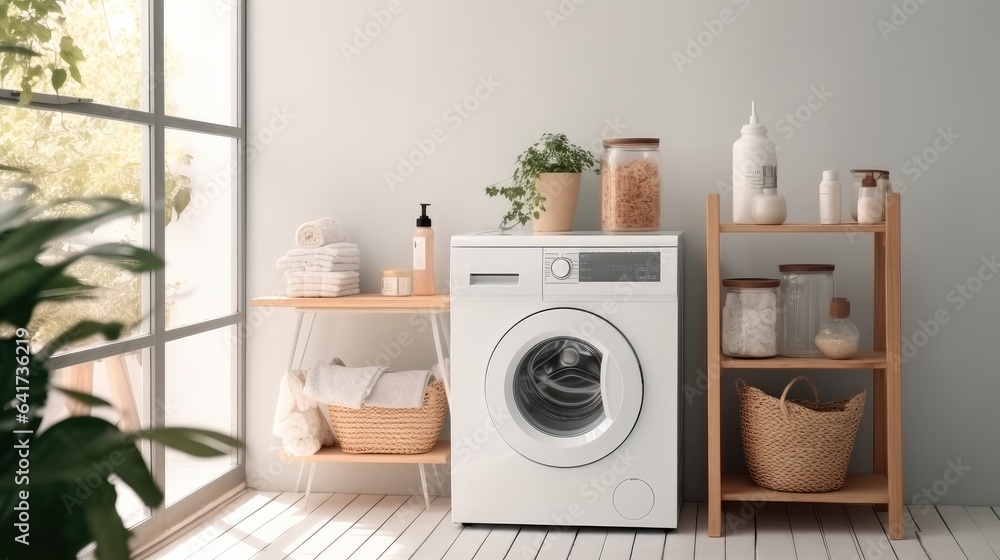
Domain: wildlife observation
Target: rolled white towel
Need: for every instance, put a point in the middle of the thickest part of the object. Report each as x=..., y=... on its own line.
x=319, y=232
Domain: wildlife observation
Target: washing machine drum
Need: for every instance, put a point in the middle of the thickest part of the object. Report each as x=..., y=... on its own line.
x=564, y=387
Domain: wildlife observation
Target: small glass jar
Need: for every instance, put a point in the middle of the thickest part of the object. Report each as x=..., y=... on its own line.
x=882, y=184
x=869, y=207
x=839, y=339
x=749, y=316
x=768, y=206
x=630, y=184
x=803, y=307
x=397, y=282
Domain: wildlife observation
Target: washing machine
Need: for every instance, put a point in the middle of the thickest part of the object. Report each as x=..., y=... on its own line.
x=565, y=400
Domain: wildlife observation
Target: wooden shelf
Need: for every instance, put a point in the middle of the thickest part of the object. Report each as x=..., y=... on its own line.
x=359, y=302
x=858, y=489
x=437, y=456
x=803, y=228
x=885, y=484
x=864, y=360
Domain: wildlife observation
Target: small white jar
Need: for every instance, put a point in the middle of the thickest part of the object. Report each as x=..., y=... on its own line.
x=397, y=282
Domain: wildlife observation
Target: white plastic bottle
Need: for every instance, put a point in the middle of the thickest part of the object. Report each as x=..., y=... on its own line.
x=423, y=255
x=829, y=198
x=751, y=153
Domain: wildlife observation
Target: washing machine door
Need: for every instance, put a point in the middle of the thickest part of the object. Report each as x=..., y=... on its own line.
x=564, y=387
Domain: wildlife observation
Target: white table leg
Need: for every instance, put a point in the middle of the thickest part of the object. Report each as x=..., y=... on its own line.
x=423, y=484
x=440, y=355
x=298, y=480
x=309, y=317
x=309, y=485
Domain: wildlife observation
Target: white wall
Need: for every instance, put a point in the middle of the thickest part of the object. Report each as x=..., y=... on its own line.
x=329, y=126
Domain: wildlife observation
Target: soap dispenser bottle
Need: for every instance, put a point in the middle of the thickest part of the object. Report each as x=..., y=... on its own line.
x=751, y=153
x=423, y=255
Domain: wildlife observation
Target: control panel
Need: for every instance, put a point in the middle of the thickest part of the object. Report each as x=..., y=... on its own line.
x=593, y=266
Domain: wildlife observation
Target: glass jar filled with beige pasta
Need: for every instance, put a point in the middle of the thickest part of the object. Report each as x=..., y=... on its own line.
x=630, y=184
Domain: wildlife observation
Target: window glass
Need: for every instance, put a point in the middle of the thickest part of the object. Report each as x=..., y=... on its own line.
x=201, y=227
x=200, y=59
x=76, y=156
x=107, y=34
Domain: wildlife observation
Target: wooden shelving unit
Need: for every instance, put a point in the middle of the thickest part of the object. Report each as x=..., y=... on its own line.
x=882, y=488
x=435, y=306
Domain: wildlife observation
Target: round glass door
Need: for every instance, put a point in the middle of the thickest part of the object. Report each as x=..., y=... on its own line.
x=557, y=386
x=564, y=387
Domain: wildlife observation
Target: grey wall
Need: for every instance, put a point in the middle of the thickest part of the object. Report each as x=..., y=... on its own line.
x=908, y=86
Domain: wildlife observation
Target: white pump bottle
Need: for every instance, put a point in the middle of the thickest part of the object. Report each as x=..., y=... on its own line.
x=751, y=153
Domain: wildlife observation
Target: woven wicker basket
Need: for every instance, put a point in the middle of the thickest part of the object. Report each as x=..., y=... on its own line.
x=797, y=446
x=372, y=429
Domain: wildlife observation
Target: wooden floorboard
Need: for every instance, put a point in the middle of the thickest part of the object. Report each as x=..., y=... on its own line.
x=275, y=526
x=618, y=544
x=987, y=521
x=558, y=543
x=283, y=546
x=868, y=532
x=709, y=548
x=334, y=528
x=191, y=541
x=934, y=536
x=497, y=544
x=588, y=544
x=741, y=532
x=967, y=533
x=527, y=544
x=648, y=544
x=407, y=544
x=909, y=547
x=837, y=534
x=680, y=542
x=806, y=534
x=273, y=529
x=774, y=534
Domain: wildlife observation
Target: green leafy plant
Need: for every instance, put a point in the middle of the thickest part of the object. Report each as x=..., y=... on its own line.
x=56, y=485
x=31, y=30
x=553, y=153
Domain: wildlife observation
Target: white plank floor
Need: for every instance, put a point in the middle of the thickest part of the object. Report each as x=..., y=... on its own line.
x=274, y=526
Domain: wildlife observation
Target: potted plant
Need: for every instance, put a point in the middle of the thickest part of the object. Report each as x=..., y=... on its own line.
x=546, y=184
x=57, y=492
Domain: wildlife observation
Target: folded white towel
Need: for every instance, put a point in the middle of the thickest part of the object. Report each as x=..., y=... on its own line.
x=335, y=276
x=305, y=291
x=341, y=386
x=323, y=257
x=298, y=420
x=326, y=267
x=399, y=389
x=319, y=232
x=329, y=250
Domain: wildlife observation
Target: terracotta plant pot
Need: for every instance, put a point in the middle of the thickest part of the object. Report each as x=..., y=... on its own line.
x=561, y=192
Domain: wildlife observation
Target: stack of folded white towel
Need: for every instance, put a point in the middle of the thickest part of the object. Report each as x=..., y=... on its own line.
x=326, y=264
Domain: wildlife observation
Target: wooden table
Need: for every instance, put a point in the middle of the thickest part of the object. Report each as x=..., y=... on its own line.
x=436, y=307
